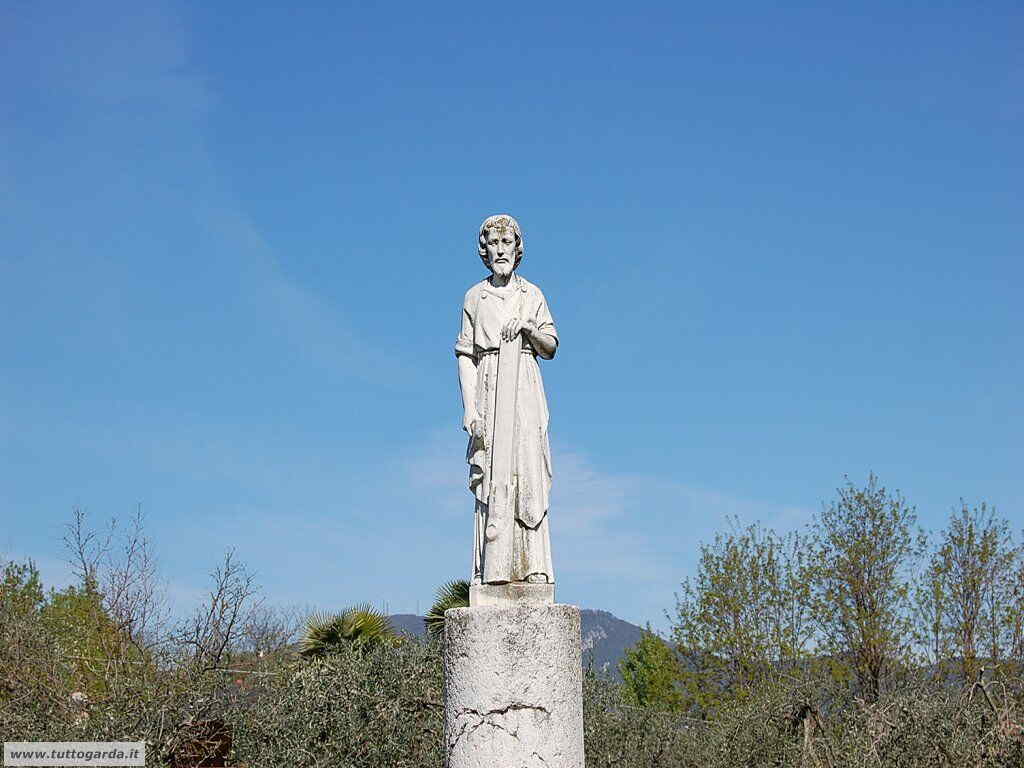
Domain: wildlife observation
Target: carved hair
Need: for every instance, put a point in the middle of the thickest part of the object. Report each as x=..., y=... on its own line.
x=501, y=221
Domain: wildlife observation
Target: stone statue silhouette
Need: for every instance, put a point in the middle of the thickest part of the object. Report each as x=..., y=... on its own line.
x=506, y=326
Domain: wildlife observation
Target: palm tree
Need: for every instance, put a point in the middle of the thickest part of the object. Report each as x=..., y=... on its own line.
x=454, y=594
x=360, y=625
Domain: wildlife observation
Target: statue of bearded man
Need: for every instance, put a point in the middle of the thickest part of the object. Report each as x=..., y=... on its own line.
x=506, y=326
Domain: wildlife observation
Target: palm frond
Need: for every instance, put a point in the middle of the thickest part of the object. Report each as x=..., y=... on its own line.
x=454, y=594
x=360, y=624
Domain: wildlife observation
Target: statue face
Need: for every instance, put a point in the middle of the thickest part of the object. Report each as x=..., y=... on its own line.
x=501, y=250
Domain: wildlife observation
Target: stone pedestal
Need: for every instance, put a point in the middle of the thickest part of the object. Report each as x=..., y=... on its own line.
x=513, y=688
x=510, y=594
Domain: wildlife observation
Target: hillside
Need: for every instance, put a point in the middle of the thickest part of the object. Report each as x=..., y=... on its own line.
x=604, y=637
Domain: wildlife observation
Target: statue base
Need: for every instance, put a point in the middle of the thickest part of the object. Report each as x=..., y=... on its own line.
x=513, y=687
x=515, y=593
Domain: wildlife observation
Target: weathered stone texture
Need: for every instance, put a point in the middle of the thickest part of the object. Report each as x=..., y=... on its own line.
x=511, y=594
x=513, y=687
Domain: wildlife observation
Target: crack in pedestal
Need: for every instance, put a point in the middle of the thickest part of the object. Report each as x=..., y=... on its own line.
x=484, y=719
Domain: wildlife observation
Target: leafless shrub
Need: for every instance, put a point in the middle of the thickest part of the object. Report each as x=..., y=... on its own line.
x=215, y=630
x=270, y=630
x=121, y=567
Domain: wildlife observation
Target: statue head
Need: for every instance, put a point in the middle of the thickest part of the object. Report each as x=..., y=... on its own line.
x=501, y=244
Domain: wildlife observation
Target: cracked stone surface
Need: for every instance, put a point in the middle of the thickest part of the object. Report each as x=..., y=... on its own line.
x=513, y=687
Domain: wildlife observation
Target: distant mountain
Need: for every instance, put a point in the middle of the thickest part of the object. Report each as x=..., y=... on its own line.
x=604, y=638
x=408, y=624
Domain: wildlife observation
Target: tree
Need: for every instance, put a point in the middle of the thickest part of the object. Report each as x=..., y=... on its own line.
x=977, y=557
x=21, y=590
x=216, y=630
x=270, y=630
x=744, y=615
x=87, y=637
x=865, y=545
x=118, y=566
x=33, y=673
x=454, y=594
x=1015, y=617
x=651, y=674
x=930, y=604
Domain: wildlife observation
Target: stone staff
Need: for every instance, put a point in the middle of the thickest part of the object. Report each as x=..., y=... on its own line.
x=501, y=502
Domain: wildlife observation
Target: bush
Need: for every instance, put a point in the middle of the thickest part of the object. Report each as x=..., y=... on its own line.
x=359, y=706
x=815, y=721
x=382, y=706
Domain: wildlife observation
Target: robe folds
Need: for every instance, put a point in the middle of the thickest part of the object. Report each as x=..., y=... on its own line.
x=485, y=310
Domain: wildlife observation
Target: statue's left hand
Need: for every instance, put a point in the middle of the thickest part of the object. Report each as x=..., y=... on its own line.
x=511, y=329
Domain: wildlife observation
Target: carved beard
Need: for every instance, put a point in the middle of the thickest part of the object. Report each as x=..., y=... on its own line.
x=503, y=269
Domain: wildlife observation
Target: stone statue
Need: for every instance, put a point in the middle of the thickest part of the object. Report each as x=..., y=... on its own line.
x=506, y=326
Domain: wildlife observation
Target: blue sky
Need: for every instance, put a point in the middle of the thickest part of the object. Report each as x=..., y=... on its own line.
x=781, y=242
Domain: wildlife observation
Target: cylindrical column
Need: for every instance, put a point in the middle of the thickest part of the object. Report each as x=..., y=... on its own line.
x=513, y=690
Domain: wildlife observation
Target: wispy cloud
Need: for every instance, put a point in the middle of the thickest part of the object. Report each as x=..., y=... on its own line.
x=285, y=309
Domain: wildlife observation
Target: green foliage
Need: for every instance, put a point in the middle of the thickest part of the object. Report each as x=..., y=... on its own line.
x=72, y=622
x=628, y=736
x=814, y=721
x=851, y=596
x=374, y=706
x=930, y=604
x=650, y=672
x=454, y=594
x=865, y=545
x=361, y=625
x=1015, y=615
x=974, y=569
x=86, y=636
x=744, y=616
x=21, y=591
x=33, y=677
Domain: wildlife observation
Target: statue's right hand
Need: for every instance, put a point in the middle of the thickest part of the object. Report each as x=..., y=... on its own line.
x=473, y=425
